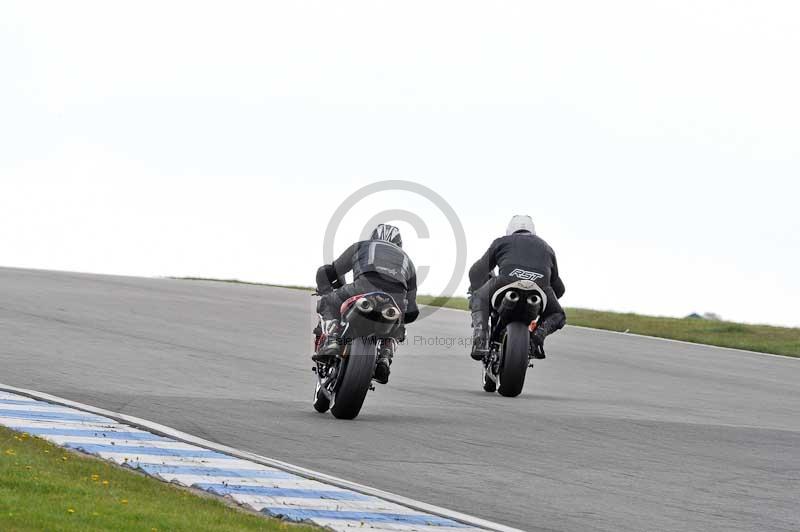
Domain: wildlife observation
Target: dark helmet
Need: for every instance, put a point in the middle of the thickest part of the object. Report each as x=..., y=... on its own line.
x=389, y=233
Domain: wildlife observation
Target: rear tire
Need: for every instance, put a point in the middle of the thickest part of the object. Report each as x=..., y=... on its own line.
x=355, y=382
x=515, y=359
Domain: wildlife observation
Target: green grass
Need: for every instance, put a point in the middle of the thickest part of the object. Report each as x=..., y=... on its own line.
x=459, y=303
x=763, y=338
x=44, y=487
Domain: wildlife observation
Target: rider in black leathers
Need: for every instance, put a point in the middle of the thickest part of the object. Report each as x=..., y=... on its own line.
x=518, y=255
x=378, y=264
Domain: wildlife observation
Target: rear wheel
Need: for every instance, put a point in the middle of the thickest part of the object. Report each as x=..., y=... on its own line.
x=515, y=359
x=356, y=379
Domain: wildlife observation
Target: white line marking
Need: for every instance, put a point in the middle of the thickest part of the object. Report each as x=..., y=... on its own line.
x=224, y=463
x=300, y=483
x=34, y=424
x=259, y=501
x=161, y=459
x=387, y=527
x=37, y=408
x=99, y=440
x=5, y=395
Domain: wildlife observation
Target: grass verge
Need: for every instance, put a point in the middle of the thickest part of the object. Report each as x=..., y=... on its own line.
x=45, y=487
x=762, y=338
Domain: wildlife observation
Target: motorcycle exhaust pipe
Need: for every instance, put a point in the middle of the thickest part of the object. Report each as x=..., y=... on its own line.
x=390, y=313
x=510, y=301
x=535, y=303
x=364, y=305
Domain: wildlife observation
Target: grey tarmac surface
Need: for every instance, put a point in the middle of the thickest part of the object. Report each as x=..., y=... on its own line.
x=612, y=433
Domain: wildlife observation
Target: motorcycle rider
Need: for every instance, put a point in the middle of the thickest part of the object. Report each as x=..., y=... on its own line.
x=521, y=254
x=378, y=264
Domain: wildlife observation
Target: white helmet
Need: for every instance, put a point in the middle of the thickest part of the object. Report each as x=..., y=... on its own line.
x=520, y=222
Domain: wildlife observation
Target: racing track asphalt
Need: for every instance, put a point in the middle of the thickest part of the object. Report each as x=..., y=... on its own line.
x=613, y=432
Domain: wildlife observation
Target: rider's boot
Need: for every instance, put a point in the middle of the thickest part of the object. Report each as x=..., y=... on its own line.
x=330, y=347
x=385, y=355
x=546, y=327
x=537, y=346
x=480, y=335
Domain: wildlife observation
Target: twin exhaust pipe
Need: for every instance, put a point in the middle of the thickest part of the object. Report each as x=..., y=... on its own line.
x=511, y=299
x=365, y=306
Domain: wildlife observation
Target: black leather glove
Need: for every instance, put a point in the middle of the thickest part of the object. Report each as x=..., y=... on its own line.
x=410, y=316
x=327, y=281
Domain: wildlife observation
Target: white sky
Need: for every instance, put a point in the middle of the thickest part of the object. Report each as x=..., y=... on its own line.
x=656, y=144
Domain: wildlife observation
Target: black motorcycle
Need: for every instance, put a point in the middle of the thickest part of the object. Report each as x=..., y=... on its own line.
x=370, y=322
x=517, y=308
